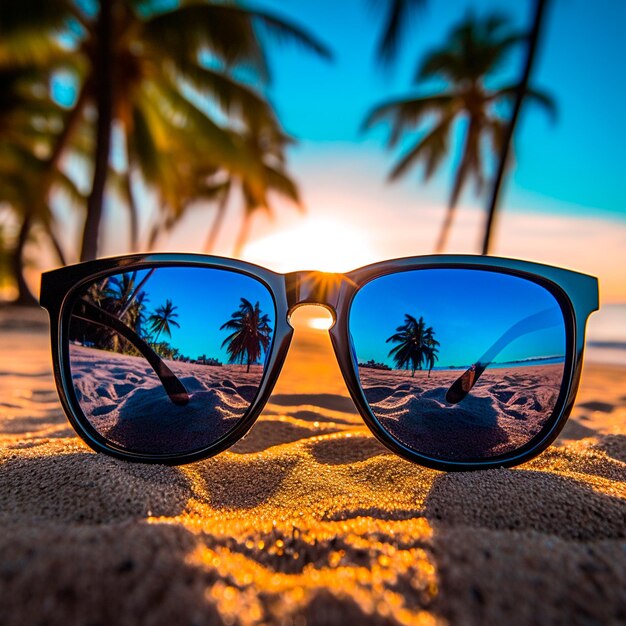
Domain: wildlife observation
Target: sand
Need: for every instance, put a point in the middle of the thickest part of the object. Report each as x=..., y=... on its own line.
x=308, y=520
x=506, y=408
x=127, y=404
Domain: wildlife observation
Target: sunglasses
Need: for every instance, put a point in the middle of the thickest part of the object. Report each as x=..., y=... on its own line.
x=454, y=362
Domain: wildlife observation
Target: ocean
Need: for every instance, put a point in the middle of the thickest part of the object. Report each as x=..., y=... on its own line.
x=606, y=335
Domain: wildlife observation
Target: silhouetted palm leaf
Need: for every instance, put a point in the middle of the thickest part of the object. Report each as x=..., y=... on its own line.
x=397, y=20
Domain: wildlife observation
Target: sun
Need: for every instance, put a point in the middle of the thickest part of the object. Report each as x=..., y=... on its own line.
x=326, y=245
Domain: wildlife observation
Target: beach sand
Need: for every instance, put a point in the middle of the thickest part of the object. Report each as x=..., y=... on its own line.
x=506, y=408
x=307, y=520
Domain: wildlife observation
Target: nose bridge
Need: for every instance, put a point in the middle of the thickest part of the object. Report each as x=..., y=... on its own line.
x=313, y=287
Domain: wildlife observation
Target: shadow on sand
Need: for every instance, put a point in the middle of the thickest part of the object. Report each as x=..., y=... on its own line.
x=524, y=546
x=80, y=539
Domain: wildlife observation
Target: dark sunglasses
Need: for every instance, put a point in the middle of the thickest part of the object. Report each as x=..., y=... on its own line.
x=454, y=362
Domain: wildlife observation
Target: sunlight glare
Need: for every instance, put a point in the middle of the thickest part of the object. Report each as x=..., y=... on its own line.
x=321, y=323
x=315, y=244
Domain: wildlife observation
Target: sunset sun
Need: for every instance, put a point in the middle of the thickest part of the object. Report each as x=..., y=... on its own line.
x=326, y=245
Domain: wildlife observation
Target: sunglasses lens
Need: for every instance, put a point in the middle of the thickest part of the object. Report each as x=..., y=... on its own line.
x=459, y=364
x=167, y=360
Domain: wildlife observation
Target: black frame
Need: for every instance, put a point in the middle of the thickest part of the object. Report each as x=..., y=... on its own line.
x=576, y=293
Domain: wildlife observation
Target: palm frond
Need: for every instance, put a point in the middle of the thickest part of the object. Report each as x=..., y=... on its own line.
x=287, y=31
x=278, y=181
x=29, y=31
x=68, y=186
x=543, y=98
x=226, y=31
x=233, y=97
x=475, y=47
x=432, y=148
x=398, y=18
x=407, y=113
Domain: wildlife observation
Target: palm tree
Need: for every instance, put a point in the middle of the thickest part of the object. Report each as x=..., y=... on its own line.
x=522, y=89
x=160, y=74
x=146, y=67
x=416, y=345
x=29, y=120
x=163, y=319
x=31, y=51
x=251, y=334
x=122, y=297
x=475, y=50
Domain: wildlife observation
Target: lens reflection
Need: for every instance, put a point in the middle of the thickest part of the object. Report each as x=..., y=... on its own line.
x=459, y=365
x=168, y=360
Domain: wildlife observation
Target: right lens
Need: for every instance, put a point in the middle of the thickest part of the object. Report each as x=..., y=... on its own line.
x=459, y=364
x=167, y=360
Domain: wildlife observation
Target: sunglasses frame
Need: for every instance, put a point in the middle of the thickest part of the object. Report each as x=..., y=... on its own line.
x=576, y=293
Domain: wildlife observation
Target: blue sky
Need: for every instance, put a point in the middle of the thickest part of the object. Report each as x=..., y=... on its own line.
x=205, y=299
x=468, y=311
x=573, y=165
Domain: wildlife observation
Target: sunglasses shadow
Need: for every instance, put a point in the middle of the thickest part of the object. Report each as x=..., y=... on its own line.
x=547, y=501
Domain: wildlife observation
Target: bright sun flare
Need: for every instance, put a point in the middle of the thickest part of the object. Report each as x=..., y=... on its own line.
x=316, y=244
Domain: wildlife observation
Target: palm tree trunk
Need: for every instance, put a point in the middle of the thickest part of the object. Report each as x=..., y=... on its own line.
x=156, y=229
x=56, y=244
x=17, y=263
x=153, y=236
x=24, y=295
x=103, y=70
x=444, y=233
x=68, y=130
x=533, y=41
x=242, y=237
x=248, y=368
x=132, y=212
x=209, y=244
x=130, y=197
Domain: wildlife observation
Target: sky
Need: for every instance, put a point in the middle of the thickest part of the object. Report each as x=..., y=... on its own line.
x=205, y=300
x=577, y=160
x=469, y=311
x=478, y=306
x=564, y=201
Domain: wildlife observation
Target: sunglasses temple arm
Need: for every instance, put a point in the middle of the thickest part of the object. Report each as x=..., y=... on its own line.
x=464, y=384
x=173, y=387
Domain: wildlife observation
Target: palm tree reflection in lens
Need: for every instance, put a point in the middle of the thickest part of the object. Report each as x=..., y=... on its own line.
x=163, y=319
x=416, y=347
x=496, y=349
x=251, y=336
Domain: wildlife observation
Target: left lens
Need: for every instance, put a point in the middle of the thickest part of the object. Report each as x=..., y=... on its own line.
x=168, y=360
x=459, y=364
